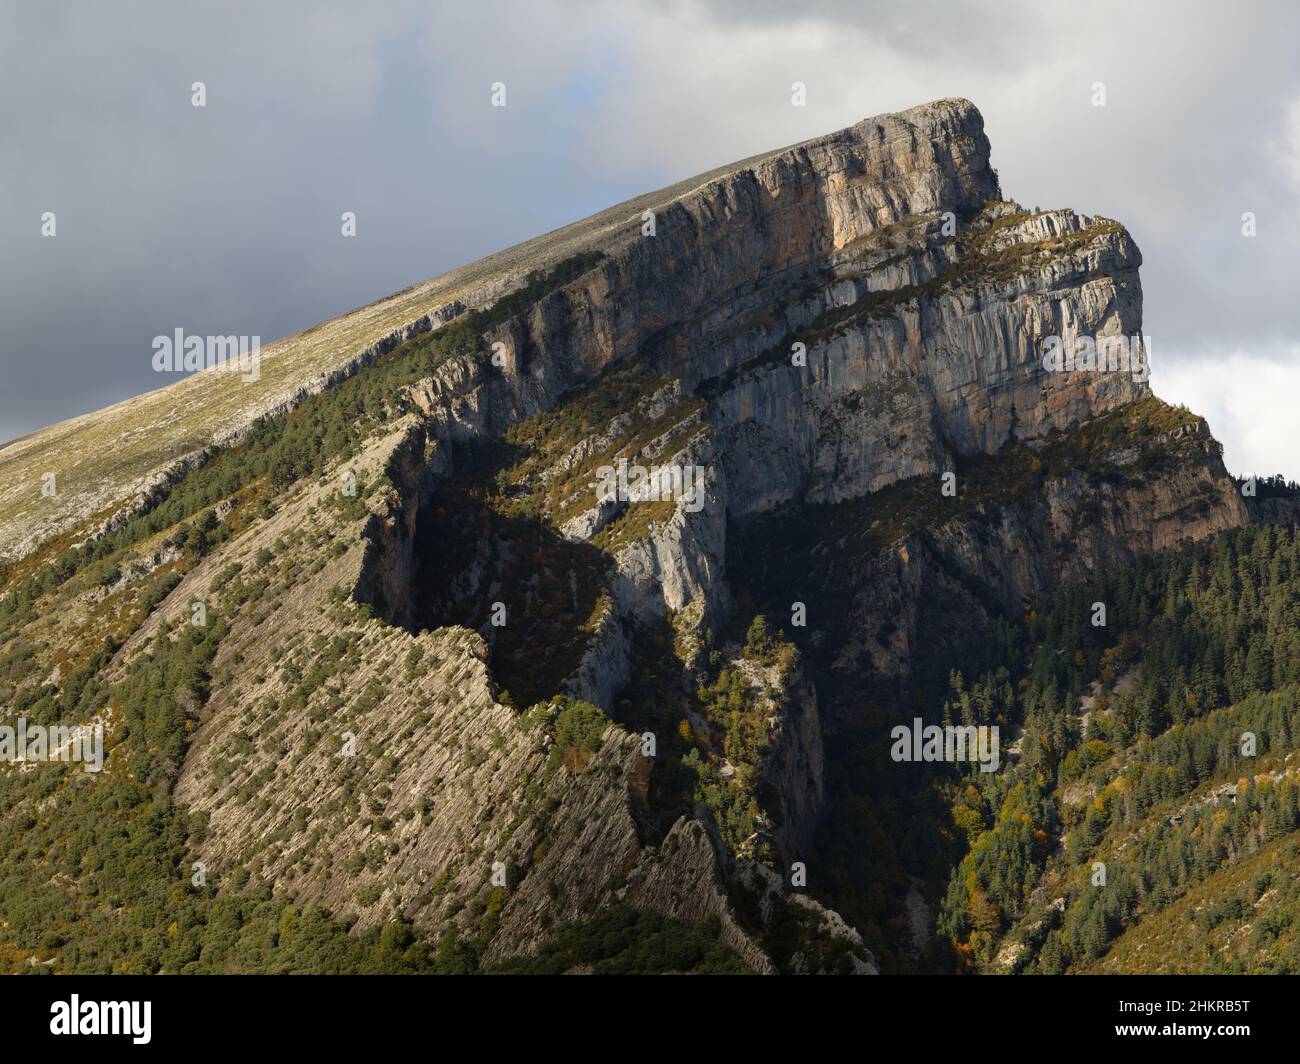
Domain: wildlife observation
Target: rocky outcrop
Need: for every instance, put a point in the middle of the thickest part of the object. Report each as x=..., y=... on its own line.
x=389, y=564
x=1002, y=557
x=922, y=304
x=793, y=780
x=855, y=313
x=911, y=381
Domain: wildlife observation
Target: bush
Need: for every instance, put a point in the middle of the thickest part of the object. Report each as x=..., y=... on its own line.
x=579, y=728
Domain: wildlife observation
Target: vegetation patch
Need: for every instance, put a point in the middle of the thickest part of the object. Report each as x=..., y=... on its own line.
x=625, y=941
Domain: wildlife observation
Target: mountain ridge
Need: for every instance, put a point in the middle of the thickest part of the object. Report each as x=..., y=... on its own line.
x=454, y=695
x=294, y=366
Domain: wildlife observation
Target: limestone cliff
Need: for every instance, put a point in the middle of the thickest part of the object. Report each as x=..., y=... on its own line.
x=422, y=588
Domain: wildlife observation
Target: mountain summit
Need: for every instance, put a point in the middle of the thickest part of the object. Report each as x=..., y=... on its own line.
x=570, y=599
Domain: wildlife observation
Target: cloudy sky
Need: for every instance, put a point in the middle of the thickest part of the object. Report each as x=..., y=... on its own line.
x=225, y=219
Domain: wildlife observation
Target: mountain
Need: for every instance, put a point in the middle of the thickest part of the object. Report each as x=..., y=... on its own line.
x=557, y=614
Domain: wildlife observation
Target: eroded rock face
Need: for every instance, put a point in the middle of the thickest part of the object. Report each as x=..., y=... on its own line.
x=947, y=372
x=815, y=328
x=944, y=301
x=794, y=772
x=999, y=557
x=922, y=304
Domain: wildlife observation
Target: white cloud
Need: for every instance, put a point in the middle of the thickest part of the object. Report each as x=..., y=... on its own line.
x=1250, y=403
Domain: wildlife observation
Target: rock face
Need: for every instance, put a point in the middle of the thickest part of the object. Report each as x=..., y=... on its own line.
x=922, y=304
x=929, y=372
x=794, y=773
x=834, y=329
x=862, y=246
x=999, y=560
